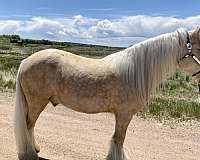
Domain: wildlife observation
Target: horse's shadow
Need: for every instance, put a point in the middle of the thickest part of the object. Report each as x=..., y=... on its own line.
x=41, y=158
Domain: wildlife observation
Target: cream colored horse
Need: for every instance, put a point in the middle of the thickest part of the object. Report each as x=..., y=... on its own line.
x=120, y=83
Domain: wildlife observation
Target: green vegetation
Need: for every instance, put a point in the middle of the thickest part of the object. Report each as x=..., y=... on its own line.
x=29, y=46
x=176, y=99
x=164, y=109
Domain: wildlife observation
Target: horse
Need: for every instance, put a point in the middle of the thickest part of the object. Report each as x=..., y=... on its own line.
x=121, y=83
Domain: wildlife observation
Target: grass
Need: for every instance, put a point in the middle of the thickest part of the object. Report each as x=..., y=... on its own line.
x=163, y=109
x=9, y=63
x=175, y=100
x=7, y=80
x=5, y=47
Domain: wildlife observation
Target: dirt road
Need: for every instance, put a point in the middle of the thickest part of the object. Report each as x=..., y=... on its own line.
x=67, y=135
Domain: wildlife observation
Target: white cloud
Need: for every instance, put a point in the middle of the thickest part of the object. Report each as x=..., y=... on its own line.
x=9, y=26
x=115, y=32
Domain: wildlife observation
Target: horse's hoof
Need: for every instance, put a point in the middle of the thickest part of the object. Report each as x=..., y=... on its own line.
x=37, y=148
x=30, y=155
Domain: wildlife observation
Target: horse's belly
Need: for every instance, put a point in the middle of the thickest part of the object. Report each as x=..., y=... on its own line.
x=87, y=104
x=87, y=93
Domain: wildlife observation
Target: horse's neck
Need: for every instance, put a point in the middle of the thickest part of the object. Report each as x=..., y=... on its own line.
x=144, y=66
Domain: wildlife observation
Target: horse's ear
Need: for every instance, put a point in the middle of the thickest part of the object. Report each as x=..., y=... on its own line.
x=198, y=32
x=195, y=34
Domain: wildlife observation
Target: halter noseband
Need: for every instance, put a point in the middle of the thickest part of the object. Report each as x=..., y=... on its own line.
x=189, y=54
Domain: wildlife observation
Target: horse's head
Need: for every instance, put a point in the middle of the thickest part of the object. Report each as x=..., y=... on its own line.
x=190, y=61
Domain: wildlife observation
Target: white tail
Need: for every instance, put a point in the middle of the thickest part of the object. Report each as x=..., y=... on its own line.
x=23, y=139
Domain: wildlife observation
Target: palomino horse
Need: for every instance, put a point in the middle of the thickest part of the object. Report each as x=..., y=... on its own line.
x=120, y=83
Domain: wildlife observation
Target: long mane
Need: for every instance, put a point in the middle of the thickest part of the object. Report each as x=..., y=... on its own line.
x=145, y=65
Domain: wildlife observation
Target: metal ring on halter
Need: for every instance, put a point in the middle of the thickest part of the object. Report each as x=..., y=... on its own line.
x=189, y=47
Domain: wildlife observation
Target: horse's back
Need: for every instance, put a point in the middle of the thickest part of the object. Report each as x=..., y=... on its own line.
x=58, y=58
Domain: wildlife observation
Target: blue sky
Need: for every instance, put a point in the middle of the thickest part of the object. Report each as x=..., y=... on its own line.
x=104, y=22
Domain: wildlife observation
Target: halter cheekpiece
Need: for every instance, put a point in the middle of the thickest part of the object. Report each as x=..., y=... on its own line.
x=189, y=54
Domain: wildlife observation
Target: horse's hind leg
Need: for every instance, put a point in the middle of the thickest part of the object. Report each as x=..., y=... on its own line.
x=35, y=107
x=25, y=126
x=116, y=151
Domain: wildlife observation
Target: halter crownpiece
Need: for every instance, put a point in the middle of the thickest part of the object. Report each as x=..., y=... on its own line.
x=189, y=47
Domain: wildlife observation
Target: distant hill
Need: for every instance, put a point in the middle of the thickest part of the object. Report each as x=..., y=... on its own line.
x=14, y=43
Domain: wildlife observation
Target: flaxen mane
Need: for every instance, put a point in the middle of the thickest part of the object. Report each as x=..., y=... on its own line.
x=145, y=65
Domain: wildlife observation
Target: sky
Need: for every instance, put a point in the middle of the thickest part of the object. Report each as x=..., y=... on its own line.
x=103, y=22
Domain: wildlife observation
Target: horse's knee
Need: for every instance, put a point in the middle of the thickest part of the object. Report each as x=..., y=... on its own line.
x=121, y=125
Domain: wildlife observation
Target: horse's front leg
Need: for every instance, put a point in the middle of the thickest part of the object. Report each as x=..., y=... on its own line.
x=116, y=151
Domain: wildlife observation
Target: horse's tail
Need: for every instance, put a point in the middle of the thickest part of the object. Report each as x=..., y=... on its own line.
x=22, y=136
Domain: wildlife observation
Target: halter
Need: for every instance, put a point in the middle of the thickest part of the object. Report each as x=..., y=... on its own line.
x=189, y=54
